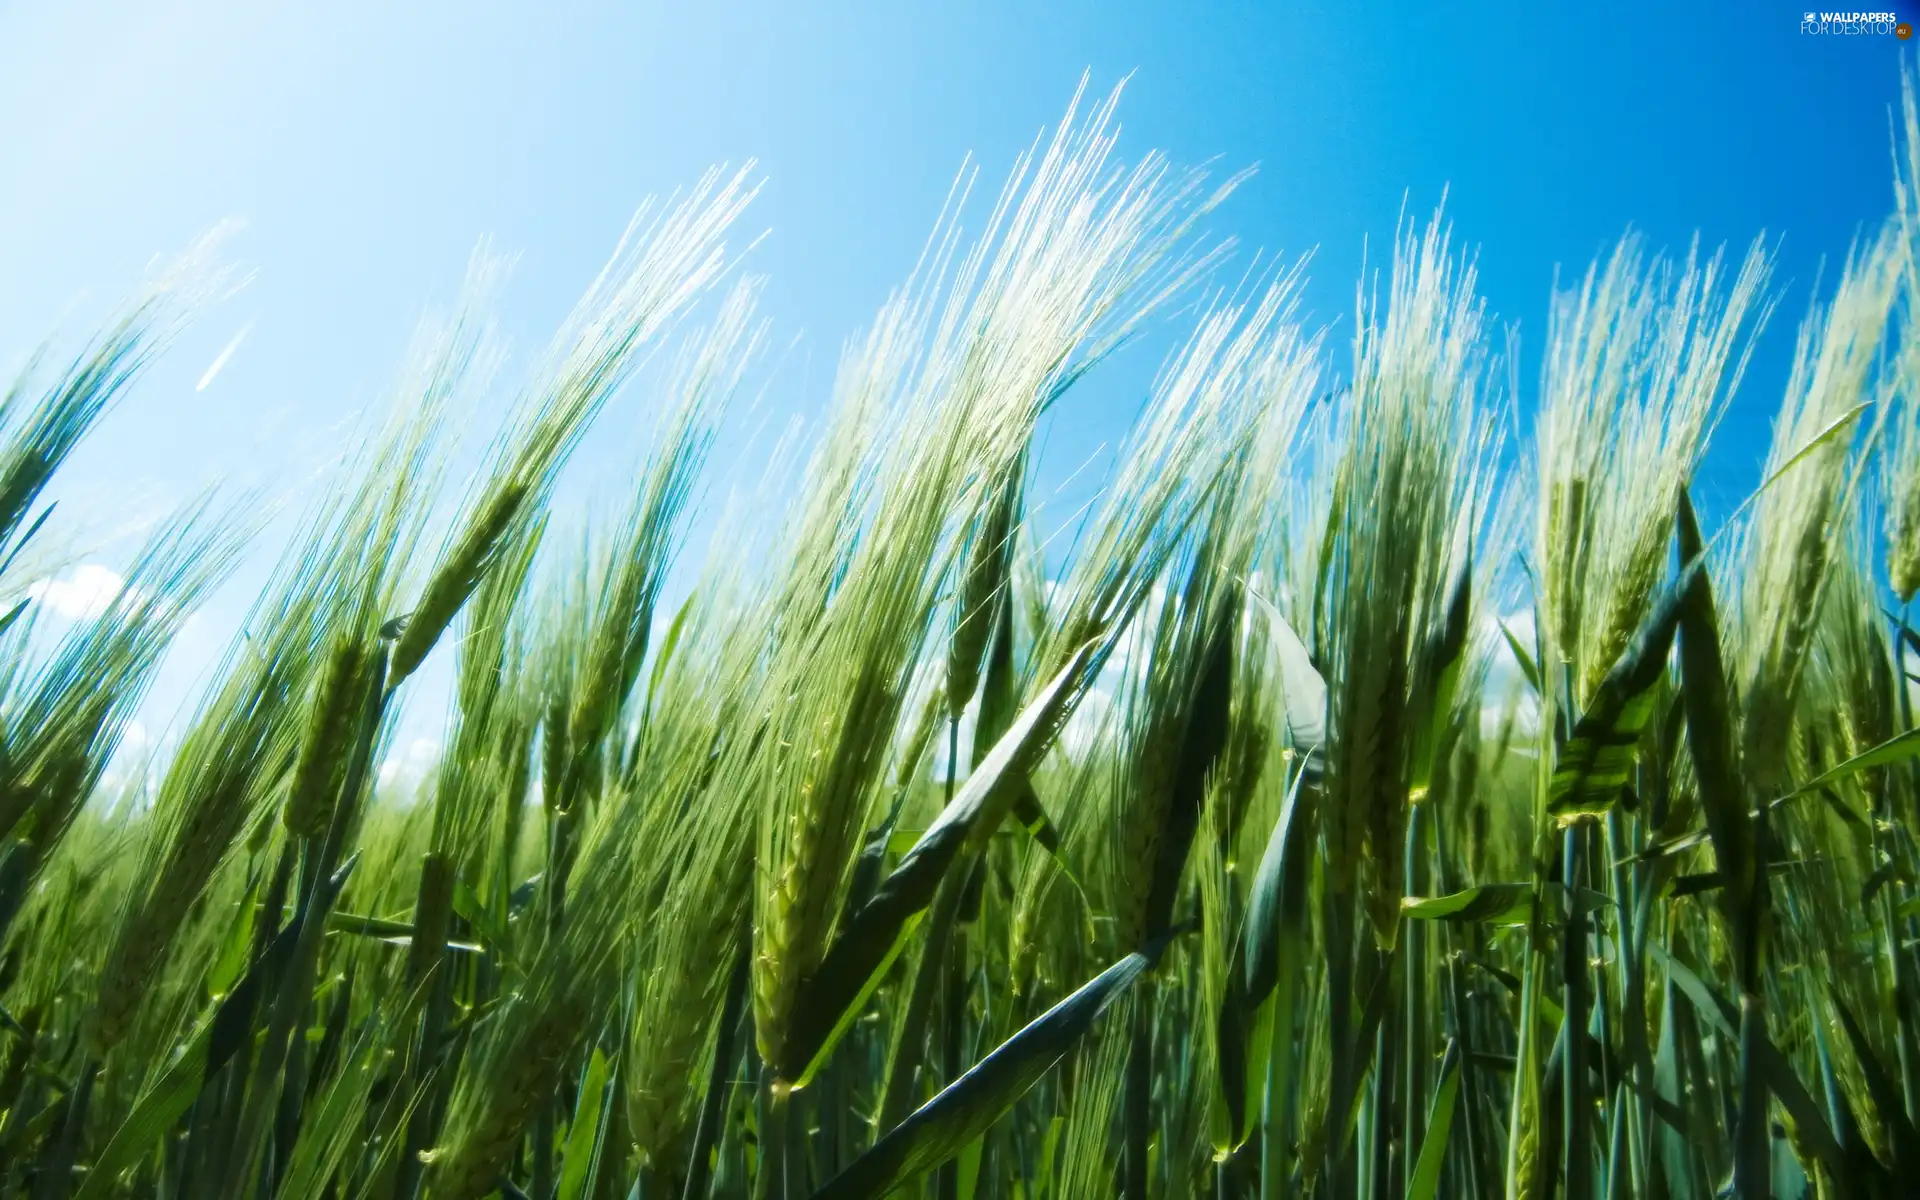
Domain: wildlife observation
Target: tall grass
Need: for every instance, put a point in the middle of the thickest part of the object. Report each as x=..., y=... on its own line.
x=1349, y=802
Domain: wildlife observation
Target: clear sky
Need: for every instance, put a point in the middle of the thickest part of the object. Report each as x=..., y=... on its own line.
x=368, y=146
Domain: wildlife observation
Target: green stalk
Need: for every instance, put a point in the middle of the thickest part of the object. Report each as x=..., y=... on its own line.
x=773, y=1111
x=1631, y=951
x=291, y=1110
x=899, y=1095
x=1364, y=1159
x=949, y=957
x=1417, y=1051
x=726, y=1045
x=1576, y=1109
x=1337, y=919
x=295, y=992
x=427, y=960
x=55, y=1178
x=1907, y=1051
x=1136, y=1100
x=543, y=1178
x=1752, y=1150
x=1282, y=1089
x=1469, y=1106
x=953, y=1006
x=1524, y=1107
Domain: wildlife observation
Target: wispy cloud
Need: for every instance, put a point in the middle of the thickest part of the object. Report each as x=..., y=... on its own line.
x=220, y=360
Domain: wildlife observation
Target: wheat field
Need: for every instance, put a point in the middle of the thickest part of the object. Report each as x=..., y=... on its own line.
x=1385, y=788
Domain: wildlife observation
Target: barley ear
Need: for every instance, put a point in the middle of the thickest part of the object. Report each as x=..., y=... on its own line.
x=983, y=586
x=456, y=577
x=324, y=747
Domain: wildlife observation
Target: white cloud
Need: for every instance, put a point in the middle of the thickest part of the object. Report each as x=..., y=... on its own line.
x=1090, y=723
x=1503, y=669
x=81, y=595
x=1506, y=685
x=407, y=768
x=134, y=770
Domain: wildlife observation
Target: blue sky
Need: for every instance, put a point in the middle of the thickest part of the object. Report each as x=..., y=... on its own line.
x=368, y=146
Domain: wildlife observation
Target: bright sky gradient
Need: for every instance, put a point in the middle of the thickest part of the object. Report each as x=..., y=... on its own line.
x=368, y=146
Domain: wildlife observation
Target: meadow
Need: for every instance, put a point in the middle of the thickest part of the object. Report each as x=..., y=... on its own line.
x=1385, y=788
